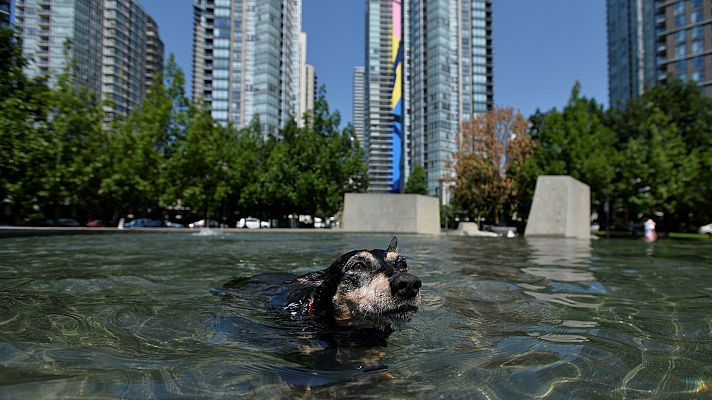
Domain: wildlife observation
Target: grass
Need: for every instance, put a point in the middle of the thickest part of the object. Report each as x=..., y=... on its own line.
x=673, y=235
x=690, y=236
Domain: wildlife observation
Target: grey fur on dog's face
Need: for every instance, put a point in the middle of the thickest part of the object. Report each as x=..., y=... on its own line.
x=366, y=291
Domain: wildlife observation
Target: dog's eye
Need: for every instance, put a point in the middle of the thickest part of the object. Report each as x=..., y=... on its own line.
x=401, y=265
x=359, y=266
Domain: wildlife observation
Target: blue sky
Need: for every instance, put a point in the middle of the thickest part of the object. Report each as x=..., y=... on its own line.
x=540, y=47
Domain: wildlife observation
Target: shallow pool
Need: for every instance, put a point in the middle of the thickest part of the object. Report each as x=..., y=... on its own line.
x=138, y=316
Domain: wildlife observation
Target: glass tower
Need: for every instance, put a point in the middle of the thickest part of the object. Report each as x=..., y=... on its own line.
x=419, y=92
x=451, y=79
x=649, y=41
x=108, y=39
x=631, y=52
x=6, y=13
x=359, y=76
x=47, y=27
x=246, y=60
x=684, y=41
x=385, y=138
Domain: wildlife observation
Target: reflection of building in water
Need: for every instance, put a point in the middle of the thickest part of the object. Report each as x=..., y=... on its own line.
x=564, y=263
x=560, y=252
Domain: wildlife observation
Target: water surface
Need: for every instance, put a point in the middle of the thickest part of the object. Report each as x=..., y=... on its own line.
x=138, y=316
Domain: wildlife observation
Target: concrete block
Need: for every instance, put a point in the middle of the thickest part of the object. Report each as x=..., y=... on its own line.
x=391, y=213
x=561, y=208
x=471, y=229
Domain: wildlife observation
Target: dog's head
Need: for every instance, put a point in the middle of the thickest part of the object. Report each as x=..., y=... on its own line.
x=369, y=288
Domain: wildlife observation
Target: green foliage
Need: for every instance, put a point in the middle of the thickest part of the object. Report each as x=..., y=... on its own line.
x=573, y=142
x=664, y=138
x=140, y=145
x=200, y=172
x=73, y=134
x=310, y=168
x=23, y=143
x=417, y=183
x=652, y=156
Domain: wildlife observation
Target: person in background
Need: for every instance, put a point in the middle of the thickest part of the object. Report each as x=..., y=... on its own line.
x=649, y=227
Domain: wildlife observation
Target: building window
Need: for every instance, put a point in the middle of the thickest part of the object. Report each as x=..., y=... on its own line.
x=679, y=21
x=698, y=69
x=698, y=46
x=680, y=7
x=681, y=67
x=680, y=51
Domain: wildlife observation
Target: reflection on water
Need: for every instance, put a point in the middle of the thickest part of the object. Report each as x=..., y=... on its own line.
x=143, y=315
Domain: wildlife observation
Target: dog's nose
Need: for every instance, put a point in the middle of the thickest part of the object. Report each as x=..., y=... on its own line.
x=405, y=285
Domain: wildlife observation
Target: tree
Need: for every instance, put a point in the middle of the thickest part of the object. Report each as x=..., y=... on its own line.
x=140, y=144
x=72, y=144
x=417, y=183
x=23, y=116
x=655, y=171
x=666, y=129
x=200, y=165
x=573, y=142
x=487, y=146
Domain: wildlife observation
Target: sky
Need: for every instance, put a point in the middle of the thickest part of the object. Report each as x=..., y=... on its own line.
x=541, y=48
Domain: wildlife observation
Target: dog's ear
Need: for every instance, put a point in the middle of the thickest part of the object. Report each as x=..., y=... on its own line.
x=393, y=246
x=326, y=290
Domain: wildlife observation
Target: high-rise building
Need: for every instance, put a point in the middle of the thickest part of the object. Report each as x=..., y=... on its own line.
x=307, y=83
x=124, y=49
x=310, y=89
x=451, y=77
x=385, y=139
x=649, y=41
x=107, y=39
x=684, y=41
x=6, y=13
x=358, y=103
x=154, y=52
x=446, y=49
x=246, y=60
x=54, y=32
x=631, y=48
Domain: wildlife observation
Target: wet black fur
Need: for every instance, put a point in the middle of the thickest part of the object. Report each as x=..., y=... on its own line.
x=321, y=286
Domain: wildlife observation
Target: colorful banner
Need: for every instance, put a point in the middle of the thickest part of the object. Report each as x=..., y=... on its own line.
x=397, y=94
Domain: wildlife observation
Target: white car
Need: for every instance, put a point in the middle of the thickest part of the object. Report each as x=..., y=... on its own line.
x=252, y=223
x=201, y=224
x=707, y=229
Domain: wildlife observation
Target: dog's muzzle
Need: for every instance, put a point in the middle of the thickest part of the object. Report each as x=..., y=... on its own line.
x=405, y=285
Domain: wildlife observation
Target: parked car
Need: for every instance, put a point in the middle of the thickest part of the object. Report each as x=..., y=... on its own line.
x=251, y=223
x=143, y=223
x=67, y=222
x=201, y=224
x=38, y=222
x=96, y=223
x=170, y=224
x=707, y=229
x=50, y=222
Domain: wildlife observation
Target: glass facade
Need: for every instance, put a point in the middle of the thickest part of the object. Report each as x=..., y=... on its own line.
x=359, y=77
x=124, y=61
x=451, y=69
x=379, y=88
x=246, y=60
x=106, y=38
x=6, y=12
x=446, y=50
x=631, y=48
x=648, y=41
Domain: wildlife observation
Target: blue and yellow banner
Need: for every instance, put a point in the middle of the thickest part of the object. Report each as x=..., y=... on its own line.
x=397, y=94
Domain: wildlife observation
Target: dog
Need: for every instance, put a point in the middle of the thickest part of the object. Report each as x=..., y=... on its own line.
x=334, y=323
x=361, y=289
